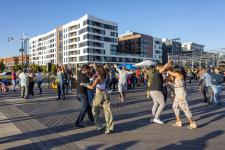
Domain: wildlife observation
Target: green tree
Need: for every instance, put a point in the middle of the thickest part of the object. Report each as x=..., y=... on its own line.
x=54, y=69
x=34, y=67
x=2, y=66
x=17, y=67
x=44, y=69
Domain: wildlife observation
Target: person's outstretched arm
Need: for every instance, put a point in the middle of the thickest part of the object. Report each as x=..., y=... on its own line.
x=166, y=66
x=173, y=73
x=117, y=69
x=92, y=86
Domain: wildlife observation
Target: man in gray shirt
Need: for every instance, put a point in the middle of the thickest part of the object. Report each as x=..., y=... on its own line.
x=122, y=85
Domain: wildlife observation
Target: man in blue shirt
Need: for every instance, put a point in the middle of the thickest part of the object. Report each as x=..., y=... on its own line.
x=207, y=89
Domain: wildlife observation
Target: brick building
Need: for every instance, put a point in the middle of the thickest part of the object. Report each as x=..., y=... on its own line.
x=9, y=62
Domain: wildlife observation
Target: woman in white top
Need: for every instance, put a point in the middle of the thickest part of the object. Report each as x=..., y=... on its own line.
x=101, y=100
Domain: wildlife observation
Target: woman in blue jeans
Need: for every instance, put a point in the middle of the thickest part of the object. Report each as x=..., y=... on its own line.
x=217, y=79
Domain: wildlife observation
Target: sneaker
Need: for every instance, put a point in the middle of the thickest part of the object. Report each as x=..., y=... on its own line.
x=100, y=128
x=158, y=121
x=108, y=131
x=58, y=98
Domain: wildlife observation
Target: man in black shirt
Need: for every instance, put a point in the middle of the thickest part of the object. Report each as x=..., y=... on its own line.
x=156, y=91
x=82, y=96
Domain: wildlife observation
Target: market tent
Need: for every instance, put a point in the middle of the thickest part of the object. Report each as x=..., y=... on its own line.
x=145, y=63
x=128, y=66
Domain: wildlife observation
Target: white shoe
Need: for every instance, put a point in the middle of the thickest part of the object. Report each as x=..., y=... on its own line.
x=158, y=121
x=108, y=131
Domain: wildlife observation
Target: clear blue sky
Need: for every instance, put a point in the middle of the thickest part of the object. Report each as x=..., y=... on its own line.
x=201, y=21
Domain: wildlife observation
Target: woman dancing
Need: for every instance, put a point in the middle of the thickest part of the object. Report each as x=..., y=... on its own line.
x=101, y=99
x=180, y=98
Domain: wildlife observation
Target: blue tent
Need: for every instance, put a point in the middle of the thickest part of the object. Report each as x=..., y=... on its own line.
x=128, y=66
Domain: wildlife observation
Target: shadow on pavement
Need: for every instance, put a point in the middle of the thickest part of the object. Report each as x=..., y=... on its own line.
x=59, y=141
x=195, y=144
x=122, y=146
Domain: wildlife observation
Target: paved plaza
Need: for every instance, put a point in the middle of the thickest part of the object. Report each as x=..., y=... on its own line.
x=44, y=123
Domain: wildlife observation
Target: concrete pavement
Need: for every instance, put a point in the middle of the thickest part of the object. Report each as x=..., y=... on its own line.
x=44, y=123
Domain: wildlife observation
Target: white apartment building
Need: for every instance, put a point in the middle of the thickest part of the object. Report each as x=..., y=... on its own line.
x=157, y=49
x=86, y=40
x=43, y=48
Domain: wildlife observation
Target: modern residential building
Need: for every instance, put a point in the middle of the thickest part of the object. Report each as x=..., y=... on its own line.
x=191, y=47
x=169, y=48
x=88, y=40
x=140, y=45
x=43, y=48
x=9, y=62
x=157, y=49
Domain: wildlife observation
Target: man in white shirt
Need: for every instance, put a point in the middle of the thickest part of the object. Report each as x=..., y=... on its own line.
x=24, y=81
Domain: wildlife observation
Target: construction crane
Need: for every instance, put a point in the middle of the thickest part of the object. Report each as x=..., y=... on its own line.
x=24, y=44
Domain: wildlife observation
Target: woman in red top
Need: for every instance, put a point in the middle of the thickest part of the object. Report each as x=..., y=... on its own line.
x=14, y=80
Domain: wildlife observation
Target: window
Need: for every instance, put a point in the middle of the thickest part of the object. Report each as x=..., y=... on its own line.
x=98, y=24
x=60, y=35
x=83, y=58
x=158, y=52
x=89, y=43
x=157, y=42
x=93, y=51
x=113, y=34
x=85, y=22
x=82, y=31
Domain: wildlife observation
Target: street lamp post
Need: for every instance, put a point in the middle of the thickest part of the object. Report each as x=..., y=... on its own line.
x=22, y=51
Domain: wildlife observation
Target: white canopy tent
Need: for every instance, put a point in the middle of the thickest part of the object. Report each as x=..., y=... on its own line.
x=145, y=63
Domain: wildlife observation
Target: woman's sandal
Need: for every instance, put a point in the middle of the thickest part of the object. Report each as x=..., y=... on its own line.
x=192, y=126
x=177, y=124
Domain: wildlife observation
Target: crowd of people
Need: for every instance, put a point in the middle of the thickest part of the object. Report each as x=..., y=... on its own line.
x=94, y=84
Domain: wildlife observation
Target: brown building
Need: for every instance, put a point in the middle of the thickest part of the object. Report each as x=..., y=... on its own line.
x=136, y=44
x=9, y=62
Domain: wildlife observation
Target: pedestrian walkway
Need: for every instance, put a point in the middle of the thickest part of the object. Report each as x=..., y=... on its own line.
x=44, y=123
x=9, y=129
